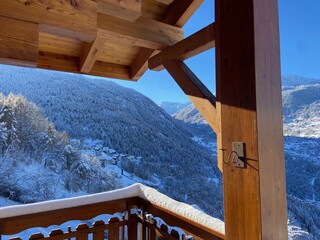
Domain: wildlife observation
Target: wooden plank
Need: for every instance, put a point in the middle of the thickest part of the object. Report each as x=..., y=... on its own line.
x=89, y=54
x=118, y=54
x=18, y=42
x=188, y=47
x=56, y=217
x=76, y=19
x=179, y=13
x=128, y=10
x=110, y=70
x=198, y=93
x=143, y=32
x=60, y=45
x=66, y=63
x=249, y=97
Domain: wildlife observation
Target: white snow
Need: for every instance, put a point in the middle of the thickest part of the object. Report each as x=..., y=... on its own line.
x=135, y=190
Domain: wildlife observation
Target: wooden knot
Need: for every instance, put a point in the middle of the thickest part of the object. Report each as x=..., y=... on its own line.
x=27, y=2
x=74, y=3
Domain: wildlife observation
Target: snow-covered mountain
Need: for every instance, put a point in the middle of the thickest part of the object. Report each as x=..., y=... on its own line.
x=293, y=80
x=173, y=107
x=129, y=123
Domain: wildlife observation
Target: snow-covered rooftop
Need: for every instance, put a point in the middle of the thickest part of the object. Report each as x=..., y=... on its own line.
x=135, y=190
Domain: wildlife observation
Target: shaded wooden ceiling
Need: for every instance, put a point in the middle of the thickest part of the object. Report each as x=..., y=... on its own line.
x=109, y=38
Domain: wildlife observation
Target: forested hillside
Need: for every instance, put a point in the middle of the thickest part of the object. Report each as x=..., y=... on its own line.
x=128, y=122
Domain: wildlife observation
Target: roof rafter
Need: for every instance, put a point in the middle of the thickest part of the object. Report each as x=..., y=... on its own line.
x=188, y=47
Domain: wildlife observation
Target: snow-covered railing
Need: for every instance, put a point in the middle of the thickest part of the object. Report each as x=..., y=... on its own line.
x=141, y=213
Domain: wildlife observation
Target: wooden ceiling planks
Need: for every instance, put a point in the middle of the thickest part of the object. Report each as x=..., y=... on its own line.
x=93, y=36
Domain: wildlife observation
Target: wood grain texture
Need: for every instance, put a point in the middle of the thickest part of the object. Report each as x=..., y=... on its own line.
x=60, y=45
x=187, y=48
x=154, y=10
x=89, y=54
x=128, y=10
x=143, y=32
x=113, y=53
x=66, y=63
x=62, y=18
x=18, y=42
x=178, y=14
x=249, y=103
x=196, y=91
x=269, y=120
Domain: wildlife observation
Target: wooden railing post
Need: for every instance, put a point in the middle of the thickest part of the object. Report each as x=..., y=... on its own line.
x=113, y=233
x=132, y=226
x=100, y=234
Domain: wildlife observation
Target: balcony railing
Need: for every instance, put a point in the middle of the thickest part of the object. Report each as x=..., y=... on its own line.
x=141, y=213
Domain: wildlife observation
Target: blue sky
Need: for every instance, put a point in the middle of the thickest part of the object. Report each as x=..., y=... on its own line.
x=300, y=50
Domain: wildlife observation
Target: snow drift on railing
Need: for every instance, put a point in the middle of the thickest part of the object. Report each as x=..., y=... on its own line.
x=135, y=190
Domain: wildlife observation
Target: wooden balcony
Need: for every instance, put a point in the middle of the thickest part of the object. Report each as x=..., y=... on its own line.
x=136, y=212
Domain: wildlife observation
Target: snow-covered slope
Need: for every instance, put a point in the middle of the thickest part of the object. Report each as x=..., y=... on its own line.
x=128, y=122
x=301, y=109
x=189, y=114
x=173, y=107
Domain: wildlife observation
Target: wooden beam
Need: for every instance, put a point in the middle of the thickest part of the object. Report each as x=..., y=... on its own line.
x=140, y=65
x=249, y=105
x=128, y=10
x=76, y=19
x=143, y=32
x=196, y=91
x=89, y=54
x=66, y=63
x=179, y=13
x=18, y=42
x=188, y=47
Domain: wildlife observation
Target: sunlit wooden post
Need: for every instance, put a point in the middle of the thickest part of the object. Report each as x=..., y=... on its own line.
x=250, y=108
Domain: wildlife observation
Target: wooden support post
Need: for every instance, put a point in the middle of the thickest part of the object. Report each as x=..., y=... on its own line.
x=249, y=104
x=18, y=42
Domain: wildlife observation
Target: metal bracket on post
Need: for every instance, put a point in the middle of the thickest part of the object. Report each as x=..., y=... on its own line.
x=239, y=160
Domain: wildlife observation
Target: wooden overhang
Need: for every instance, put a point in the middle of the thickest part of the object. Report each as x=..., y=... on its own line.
x=123, y=38
x=108, y=38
